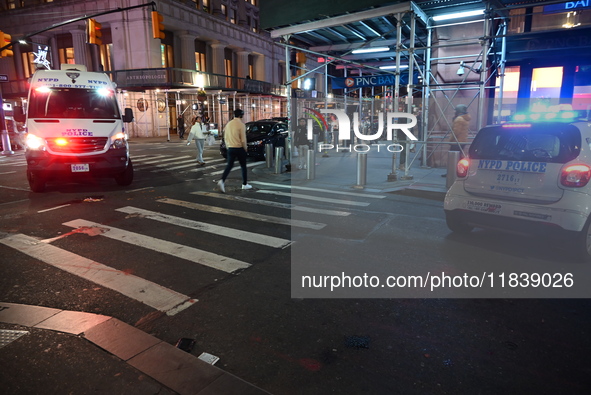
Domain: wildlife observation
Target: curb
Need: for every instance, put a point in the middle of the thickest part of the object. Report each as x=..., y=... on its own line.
x=174, y=368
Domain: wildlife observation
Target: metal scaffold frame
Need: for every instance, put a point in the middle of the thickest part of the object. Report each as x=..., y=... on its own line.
x=434, y=98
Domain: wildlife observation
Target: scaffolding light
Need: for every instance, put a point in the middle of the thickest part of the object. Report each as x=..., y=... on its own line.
x=371, y=50
x=393, y=67
x=456, y=15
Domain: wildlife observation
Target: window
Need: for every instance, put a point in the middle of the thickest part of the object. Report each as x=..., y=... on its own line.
x=200, y=59
x=225, y=11
x=232, y=15
x=67, y=55
x=582, y=88
x=206, y=5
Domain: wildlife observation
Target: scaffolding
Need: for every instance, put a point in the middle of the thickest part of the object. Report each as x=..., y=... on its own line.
x=428, y=93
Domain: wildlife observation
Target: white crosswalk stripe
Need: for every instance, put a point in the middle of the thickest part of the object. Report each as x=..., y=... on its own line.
x=285, y=186
x=236, y=167
x=245, y=214
x=149, y=293
x=269, y=241
x=201, y=257
x=274, y=204
x=314, y=198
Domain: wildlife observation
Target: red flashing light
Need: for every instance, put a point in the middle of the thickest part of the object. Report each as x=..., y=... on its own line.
x=462, y=168
x=61, y=141
x=575, y=175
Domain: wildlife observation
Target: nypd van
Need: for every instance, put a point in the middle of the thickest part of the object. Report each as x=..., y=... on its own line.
x=530, y=177
x=75, y=128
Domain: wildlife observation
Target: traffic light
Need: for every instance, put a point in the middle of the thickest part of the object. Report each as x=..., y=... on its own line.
x=157, y=25
x=5, y=39
x=93, y=29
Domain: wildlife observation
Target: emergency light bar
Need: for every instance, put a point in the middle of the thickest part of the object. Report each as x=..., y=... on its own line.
x=564, y=116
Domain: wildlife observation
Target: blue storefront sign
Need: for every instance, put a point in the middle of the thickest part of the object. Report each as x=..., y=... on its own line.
x=567, y=6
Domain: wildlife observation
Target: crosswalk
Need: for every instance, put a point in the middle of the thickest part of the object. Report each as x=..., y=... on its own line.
x=260, y=219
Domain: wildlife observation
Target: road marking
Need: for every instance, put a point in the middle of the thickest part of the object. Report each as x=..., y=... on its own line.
x=160, y=160
x=273, y=204
x=257, y=238
x=8, y=172
x=245, y=214
x=16, y=189
x=147, y=292
x=53, y=208
x=319, y=190
x=193, y=165
x=315, y=198
x=236, y=167
x=228, y=265
x=147, y=157
x=139, y=189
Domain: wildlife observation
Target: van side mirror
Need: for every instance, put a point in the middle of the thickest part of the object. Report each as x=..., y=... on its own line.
x=19, y=114
x=128, y=115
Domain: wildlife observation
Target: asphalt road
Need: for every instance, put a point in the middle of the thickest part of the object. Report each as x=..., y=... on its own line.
x=171, y=220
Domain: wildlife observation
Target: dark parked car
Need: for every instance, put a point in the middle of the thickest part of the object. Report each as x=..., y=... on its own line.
x=260, y=133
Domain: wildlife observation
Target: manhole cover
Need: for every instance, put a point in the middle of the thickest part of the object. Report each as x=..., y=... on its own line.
x=7, y=336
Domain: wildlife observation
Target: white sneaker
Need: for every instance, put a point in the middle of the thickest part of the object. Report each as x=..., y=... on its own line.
x=246, y=186
x=221, y=185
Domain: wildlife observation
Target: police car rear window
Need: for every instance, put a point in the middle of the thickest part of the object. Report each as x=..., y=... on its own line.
x=551, y=143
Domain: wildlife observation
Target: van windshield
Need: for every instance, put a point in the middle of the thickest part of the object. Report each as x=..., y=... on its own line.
x=73, y=103
x=552, y=143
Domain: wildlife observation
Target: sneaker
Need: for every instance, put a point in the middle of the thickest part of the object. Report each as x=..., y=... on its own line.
x=221, y=185
x=246, y=186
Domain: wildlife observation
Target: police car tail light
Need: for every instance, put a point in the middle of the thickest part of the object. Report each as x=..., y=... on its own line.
x=575, y=175
x=462, y=168
x=34, y=142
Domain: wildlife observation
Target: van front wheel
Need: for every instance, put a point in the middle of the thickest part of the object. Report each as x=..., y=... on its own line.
x=126, y=177
x=36, y=181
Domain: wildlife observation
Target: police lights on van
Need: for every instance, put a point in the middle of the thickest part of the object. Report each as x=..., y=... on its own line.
x=75, y=128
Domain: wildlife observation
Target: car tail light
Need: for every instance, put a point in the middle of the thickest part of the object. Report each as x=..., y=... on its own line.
x=462, y=168
x=575, y=175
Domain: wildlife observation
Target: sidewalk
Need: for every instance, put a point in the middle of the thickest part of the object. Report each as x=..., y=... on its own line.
x=339, y=170
x=62, y=351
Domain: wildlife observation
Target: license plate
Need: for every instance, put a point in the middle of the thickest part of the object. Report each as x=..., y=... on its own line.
x=80, y=167
x=504, y=178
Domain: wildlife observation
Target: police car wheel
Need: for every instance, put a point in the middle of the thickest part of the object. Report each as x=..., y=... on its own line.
x=126, y=177
x=36, y=182
x=582, y=247
x=456, y=225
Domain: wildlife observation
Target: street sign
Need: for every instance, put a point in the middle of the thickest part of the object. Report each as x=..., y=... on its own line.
x=3, y=78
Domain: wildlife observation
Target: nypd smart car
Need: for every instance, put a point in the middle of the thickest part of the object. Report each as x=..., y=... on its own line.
x=530, y=177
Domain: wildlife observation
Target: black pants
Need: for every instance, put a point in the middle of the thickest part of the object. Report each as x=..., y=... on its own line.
x=233, y=154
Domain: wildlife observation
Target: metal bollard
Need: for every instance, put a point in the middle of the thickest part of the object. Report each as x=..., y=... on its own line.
x=361, y=168
x=311, y=165
x=7, y=150
x=453, y=157
x=269, y=155
x=278, y=159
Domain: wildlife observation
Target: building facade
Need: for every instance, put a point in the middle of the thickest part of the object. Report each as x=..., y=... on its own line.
x=213, y=57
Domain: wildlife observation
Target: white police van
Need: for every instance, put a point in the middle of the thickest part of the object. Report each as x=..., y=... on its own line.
x=74, y=128
x=529, y=176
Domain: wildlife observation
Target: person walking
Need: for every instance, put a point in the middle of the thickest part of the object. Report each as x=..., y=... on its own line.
x=459, y=131
x=300, y=141
x=235, y=138
x=180, y=125
x=198, y=132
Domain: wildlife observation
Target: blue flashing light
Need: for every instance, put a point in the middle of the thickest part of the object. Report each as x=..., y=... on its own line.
x=555, y=116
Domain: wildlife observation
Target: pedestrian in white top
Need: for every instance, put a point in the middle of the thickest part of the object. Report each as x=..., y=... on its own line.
x=198, y=132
